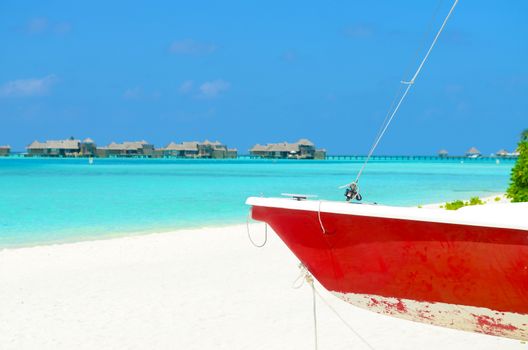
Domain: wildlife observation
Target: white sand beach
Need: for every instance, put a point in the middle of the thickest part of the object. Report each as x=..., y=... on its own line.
x=498, y=198
x=190, y=289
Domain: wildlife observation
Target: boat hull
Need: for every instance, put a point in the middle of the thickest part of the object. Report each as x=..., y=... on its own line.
x=461, y=276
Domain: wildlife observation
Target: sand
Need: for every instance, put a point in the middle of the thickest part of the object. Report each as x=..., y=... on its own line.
x=191, y=289
x=498, y=198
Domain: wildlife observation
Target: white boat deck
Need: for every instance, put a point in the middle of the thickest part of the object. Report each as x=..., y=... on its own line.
x=501, y=215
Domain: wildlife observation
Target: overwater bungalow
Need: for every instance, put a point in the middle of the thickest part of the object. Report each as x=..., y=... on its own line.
x=62, y=148
x=443, y=153
x=180, y=150
x=505, y=154
x=302, y=149
x=473, y=152
x=502, y=153
x=195, y=149
x=5, y=151
x=88, y=148
x=217, y=150
x=232, y=152
x=127, y=149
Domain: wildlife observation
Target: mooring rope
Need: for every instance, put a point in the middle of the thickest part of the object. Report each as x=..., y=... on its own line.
x=343, y=320
x=409, y=84
x=249, y=234
x=306, y=276
x=299, y=281
x=310, y=281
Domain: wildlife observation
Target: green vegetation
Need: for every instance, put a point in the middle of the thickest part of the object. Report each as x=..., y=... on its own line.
x=454, y=205
x=518, y=190
x=475, y=201
x=497, y=199
x=459, y=204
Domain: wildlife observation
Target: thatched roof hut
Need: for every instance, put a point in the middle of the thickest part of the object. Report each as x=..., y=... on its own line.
x=305, y=142
x=303, y=148
x=502, y=153
x=126, y=146
x=184, y=146
x=69, y=145
x=5, y=150
x=473, y=152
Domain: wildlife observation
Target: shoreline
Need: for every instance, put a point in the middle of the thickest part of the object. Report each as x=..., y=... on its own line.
x=120, y=235
x=172, y=230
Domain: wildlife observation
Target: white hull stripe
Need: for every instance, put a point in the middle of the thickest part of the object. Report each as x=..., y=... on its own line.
x=507, y=215
x=468, y=318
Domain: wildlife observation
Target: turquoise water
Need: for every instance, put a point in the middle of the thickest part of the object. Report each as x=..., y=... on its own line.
x=57, y=200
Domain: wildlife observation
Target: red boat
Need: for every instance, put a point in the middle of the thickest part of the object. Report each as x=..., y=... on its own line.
x=464, y=269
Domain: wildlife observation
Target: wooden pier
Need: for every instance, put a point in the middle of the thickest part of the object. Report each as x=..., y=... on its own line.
x=400, y=158
x=417, y=158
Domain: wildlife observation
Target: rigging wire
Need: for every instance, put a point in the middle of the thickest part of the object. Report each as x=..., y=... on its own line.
x=393, y=110
x=407, y=70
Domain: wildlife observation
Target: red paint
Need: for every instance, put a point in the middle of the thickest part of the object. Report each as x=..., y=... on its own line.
x=405, y=259
x=373, y=302
x=400, y=306
x=389, y=307
x=490, y=325
x=425, y=315
x=394, y=307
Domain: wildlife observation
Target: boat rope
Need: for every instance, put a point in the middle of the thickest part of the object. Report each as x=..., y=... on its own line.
x=394, y=109
x=299, y=281
x=319, y=217
x=249, y=233
x=310, y=281
x=306, y=276
x=367, y=344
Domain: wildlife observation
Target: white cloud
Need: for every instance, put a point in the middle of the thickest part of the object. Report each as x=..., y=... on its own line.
x=62, y=27
x=214, y=88
x=138, y=93
x=186, y=87
x=331, y=97
x=359, y=31
x=289, y=56
x=37, y=25
x=28, y=87
x=463, y=107
x=191, y=47
x=44, y=25
x=132, y=93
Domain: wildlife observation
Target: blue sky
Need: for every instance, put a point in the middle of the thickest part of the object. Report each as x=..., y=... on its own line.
x=247, y=73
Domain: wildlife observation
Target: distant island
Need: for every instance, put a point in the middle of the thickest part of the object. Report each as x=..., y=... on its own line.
x=301, y=149
x=473, y=153
x=138, y=149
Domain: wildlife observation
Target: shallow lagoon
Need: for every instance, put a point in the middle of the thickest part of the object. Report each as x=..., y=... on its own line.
x=57, y=200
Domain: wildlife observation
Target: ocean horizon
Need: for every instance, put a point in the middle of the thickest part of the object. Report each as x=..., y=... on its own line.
x=56, y=200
